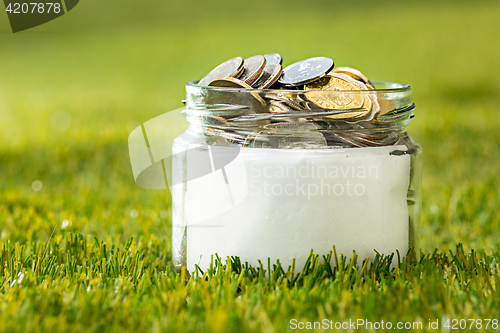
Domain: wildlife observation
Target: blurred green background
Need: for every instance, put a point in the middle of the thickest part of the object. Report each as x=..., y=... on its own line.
x=72, y=89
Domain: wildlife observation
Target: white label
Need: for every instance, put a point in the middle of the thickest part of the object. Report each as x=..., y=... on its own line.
x=281, y=203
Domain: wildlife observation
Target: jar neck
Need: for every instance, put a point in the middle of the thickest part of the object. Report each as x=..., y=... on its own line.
x=231, y=118
x=276, y=118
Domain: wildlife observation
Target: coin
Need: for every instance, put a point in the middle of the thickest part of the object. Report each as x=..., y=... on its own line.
x=271, y=74
x=250, y=139
x=253, y=68
x=354, y=73
x=342, y=101
x=267, y=139
x=231, y=67
x=251, y=122
x=306, y=71
x=273, y=58
x=292, y=126
x=385, y=106
x=336, y=101
x=305, y=105
x=215, y=137
x=294, y=104
x=375, y=111
x=229, y=82
x=279, y=107
x=214, y=121
x=305, y=139
x=371, y=102
x=236, y=137
x=342, y=139
x=206, y=120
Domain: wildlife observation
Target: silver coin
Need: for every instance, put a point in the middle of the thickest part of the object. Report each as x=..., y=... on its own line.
x=292, y=126
x=291, y=104
x=236, y=137
x=213, y=121
x=253, y=69
x=275, y=97
x=273, y=58
x=277, y=108
x=271, y=74
x=294, y=104
x=306, y=71
x=231, y=67
x=267, y=139
x=303, y=140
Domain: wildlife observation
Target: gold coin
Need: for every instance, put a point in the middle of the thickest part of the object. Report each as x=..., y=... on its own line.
x=386, y=105
x=354, y=73
x=229, y=82
x=340, y=101
x=335, y=101
x=371, y=103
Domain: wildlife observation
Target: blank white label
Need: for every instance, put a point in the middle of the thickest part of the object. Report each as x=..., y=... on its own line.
x=281, y=203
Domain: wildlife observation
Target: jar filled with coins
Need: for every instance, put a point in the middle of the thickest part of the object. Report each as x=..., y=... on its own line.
x=277, y=162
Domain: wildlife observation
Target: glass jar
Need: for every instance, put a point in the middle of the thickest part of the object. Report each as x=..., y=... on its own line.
x=269, y=174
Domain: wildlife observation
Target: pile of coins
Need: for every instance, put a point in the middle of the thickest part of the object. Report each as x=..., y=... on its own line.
x=307, y=104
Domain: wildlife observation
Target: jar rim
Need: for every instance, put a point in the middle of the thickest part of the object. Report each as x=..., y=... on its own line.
x=388, y=87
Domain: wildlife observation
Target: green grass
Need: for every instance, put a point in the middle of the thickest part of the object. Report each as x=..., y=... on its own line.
x=71, y=90
x=80, y=284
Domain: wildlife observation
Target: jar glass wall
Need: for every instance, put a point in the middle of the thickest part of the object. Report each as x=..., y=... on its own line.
x=275, y=173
